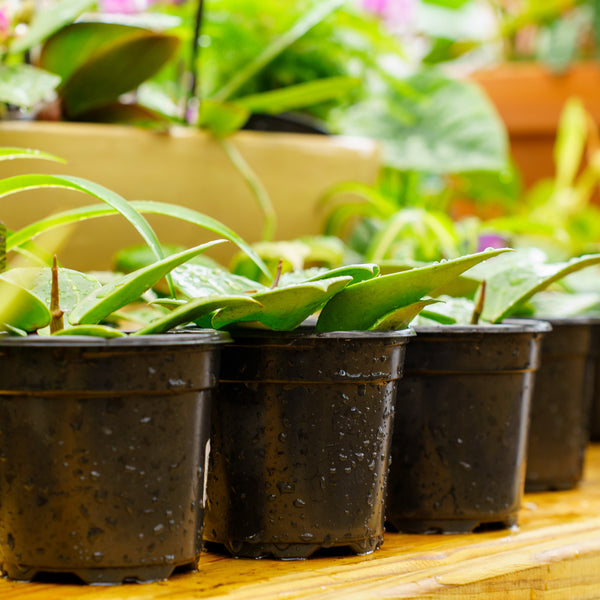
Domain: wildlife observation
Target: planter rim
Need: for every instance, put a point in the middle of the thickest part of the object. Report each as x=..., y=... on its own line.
x=576, y=320
x=307, y=332
x=510, y=326
x=200, y=336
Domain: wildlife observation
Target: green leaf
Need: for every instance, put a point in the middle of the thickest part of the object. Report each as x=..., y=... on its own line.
x=91, y=330
x=309, y=20
x=295, y=97
x=361, y=272
x=49, y=20
x=222, y=118
x=402, y=317
x=516, y=279
x=450, y=127
x=117, y=66
x=126, y=114
x=570, y=142
x=559, y=304
x=130, y=287
x=21, y=309
x=200, y=281
x=284, y=309
x=449, y=311
x=198, y=308
x=13, y=153
x=157, y=208
x=26, y=86
x=360, y=306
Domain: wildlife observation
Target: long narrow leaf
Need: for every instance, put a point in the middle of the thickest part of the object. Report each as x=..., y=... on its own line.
x=7, y=153
x=113, y=296
x=143, y=206
x=312, y=18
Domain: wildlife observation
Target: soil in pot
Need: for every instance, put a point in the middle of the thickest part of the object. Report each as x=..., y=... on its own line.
x=301, y=442
x=103, y=446
x=560, y=407
x=458, y=452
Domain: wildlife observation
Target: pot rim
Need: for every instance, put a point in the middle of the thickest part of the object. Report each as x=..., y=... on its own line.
x=508, y=326
x=308, y=332
x=178, y=338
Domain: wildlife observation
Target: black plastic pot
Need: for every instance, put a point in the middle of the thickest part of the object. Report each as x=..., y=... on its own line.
x=301, y=441
x=560, y=408
x=102, y=454
x=595, y=358
x=458, y=453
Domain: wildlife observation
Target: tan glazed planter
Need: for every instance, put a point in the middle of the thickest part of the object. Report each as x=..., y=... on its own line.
x=183, y=166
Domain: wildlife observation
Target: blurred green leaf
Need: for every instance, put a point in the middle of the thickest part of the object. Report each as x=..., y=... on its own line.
x=222, y=118
x=12, y=153
x=102, y=331
x=21, y=309
x=26, y=86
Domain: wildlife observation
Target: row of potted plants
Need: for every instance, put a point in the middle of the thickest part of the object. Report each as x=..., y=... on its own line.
x=117, y=452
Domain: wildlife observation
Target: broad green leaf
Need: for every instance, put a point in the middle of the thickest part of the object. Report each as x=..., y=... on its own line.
x=450, y=311
x=402, y=317
x=199, y=281
x=73, y=286
x=91, y=330
x=130, y=287
x=309, y=20
x=360, y=306
x=510, y=287
x=117, y=113
x=451, y=128
x=49, y=20
x=157, y=208
x=358, y=273
x=295, y=97
x=196, y=309
x=118, y=68
x=284, y=309
x=21, y=309
x=13, y=153
x=559, y=304
x=222, y=118
x=25, y=86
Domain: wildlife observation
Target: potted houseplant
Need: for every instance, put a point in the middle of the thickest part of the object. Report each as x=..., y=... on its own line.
x=85, y=489
x=302, y=464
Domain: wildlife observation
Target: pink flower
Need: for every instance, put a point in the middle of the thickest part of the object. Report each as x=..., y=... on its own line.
x=394, y=12
x=128, y=7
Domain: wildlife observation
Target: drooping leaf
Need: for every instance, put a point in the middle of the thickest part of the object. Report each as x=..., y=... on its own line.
x=158, y=208
x=516, y=280
x=113, y=296
x=402, y=317
x=102, y=331
x=196, y=309
x=286, y=308
x=13, y=153
x=47, y=21
x=360, y=306
x=25, y=86
x=21, y=309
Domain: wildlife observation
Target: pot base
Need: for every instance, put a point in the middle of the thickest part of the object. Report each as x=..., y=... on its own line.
x=450, y=526
x=293, y=551
x=107, y=575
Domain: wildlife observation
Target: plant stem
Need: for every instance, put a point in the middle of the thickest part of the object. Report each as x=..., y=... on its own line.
x=2, y=247
x=194, y=92
x=57, y=322
x=256, y=187
x=479, y=305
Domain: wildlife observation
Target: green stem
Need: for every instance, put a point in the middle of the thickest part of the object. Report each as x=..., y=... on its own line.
x=2, y=247
x=57, y=322
x=256, y=187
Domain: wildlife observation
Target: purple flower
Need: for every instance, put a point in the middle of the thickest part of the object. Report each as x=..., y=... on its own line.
x=490, y=240
x=127, y=7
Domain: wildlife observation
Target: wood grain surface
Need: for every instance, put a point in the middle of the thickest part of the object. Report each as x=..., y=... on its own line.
x=554, y=553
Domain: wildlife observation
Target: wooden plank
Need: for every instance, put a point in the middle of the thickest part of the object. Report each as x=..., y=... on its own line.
x=553, y=554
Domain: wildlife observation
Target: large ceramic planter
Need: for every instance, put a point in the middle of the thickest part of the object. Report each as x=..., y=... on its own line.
x=301, y=442
x=187, y=167
x=560, y=407
x=103, y=450
x=529, y=98
x=458, y=453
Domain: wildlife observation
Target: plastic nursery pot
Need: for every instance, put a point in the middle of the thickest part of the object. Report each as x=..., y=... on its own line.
x=102, y=454
x=458, y=452
x=560, y=407
x=595, y=361
x=301, y=440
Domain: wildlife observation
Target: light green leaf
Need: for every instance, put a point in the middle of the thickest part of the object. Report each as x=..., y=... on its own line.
x=13, y=153
x=402, y=317
x=49, y=20
x=222, y=118
x=521, y=278
x=25, y=86
x=284, y=309
x=21, y=309
x=91, y=330
x=558, y=304
x=449, y=311
x=570, y=142
x=199, y=281
x=360, y=306
x=196, y=309
x=130, y=287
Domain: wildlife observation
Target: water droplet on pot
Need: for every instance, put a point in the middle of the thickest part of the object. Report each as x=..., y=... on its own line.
x=465, y=465
x=129, y=468
x=158, y=528
x=299, y=503
x=282, y=436
x=95, y=475
x=145, y=420
x=307, y=537
x=285, y=487
x=97, y=557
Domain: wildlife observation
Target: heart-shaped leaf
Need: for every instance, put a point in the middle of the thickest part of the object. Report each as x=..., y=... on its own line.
x=130, y=287
x=21, y=309
x=361, y=306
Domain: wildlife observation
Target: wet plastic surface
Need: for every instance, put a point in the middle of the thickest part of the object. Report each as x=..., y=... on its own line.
x=458, y=452
x=560, y=407
x=301, y=442
x=103, y=456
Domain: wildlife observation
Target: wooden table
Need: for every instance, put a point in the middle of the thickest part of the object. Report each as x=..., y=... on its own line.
x=555, y=553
